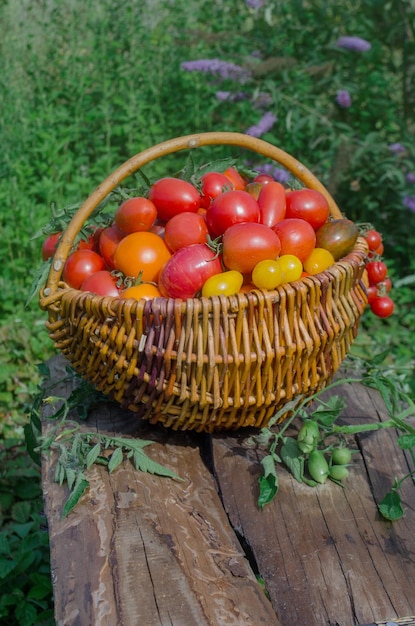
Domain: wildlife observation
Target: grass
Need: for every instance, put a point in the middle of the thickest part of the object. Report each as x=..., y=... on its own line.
x=83, y=88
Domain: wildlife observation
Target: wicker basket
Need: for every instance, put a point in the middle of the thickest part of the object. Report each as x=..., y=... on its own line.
x=216, y=363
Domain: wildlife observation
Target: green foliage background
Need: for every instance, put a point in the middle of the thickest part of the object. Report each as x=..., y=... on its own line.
x=85, y=86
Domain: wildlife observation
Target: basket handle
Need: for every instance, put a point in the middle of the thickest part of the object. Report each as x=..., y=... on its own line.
x=170, y=146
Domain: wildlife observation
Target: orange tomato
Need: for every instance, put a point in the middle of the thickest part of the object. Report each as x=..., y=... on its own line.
x=148, y=291
x=143, y=253
x=236, y=179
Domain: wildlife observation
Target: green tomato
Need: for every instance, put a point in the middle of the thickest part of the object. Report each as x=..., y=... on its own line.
x=341, y=456
x=225, y=284
x=308, y=436
x=339, y=472
x=317, y=466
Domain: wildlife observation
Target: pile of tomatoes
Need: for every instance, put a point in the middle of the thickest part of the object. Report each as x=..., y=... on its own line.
x=223, y=235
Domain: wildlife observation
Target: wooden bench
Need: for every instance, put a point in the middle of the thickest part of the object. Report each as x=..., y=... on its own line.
x=142, y=550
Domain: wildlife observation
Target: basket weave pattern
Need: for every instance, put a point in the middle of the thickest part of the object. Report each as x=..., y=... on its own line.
x=214, y=363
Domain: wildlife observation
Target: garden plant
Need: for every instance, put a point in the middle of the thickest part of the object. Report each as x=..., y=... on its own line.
x=331, y=83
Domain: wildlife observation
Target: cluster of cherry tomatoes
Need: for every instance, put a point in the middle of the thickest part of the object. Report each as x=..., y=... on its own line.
x=380, y=284
x=219, y=236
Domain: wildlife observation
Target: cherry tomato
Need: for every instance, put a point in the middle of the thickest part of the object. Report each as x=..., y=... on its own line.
x=384, y=286
x=338, y=236
x=341, y=456
x=308, y=436
x=148, y=291
x=213, y=184
x=244, y=245
x=318, y=261
x=50, y=244
x=229, y=208
x=372, y=293
x=141, y=253
x=102, y=283
x=135, y=214
x=291, y=267
x=225, y=284
x=309, y=205
x=172, y=196
x=185, y=273
x=79, y=265
x=272, y=203
x=236, y=179
x=264, y=179
x=317, y=466
x=373, y=238
x=382, y=306
x=376, y=271
x=338, y=472
x=267, y=274
x=373, y=254
x=184, y=229
x=297, y=237
x=108, y=241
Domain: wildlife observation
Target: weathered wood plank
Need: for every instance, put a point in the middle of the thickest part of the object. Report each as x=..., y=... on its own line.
x=141, y=549
x=325, y=554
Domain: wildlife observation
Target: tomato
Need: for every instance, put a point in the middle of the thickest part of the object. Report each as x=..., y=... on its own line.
x=50, y=244
x=236, y=179
x=135, y=214
x=291, y=267
x=317, y=466
x=102, y=283
x=272, y=203
x=184, y=229
x=375, y=254
x=309, y=205
x=319, y=260
x=372, y=293
x=338, y=236
x=225, y=284
x=213, y=184
x=148, y=291
x=297, y=237
x=79, y=265
x=384, y=286
x=185, y=273
x=244, y=245
x=229, y=208
x=373, y=238
x=308, y=436
x=382, y=306
x=338, y=472
x=173, y=195
x=141, y=253
x=267, y=274
x=254, y=189
x=109, y=239
x=376, y=272
x=264, y=179
x=341, y=456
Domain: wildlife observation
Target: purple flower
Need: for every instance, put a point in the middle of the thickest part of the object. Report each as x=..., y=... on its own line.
x=409, y=202
x=262, y=100
x=410, y=177
x=230, y=97
x=343, y=99
x=353, y=43
x=265, y=124
x=254, y=4
x=397, y=148
x=219, y=68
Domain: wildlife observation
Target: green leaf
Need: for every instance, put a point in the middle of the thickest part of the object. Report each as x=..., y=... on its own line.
x=6, y=566
x=328, y=413
x=293, y=458
x=390, y=507
x=142, y=462
x=21, y=511
x=81, y=486
x=406, y=442
x=26, y=613
x=268, y=488
x=92, y=455
x=116, y=459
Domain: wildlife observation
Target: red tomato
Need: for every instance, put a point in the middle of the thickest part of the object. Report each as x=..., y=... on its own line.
x=373, y=238
x=50, y=244
x=142, y=253
x=184, y=229
x=264, y=179
x=376, y=271
x=185, y=273
x=102, y=283
x=81, y=264
x=372, y=293
x=297, y=237
x=135, y=214
x=231, y=207
x=172, y=196
x=382, y=306
x=213, y=184
x=272, y=203
x=236, y=179
x=309, y=205
x=108, y=241
x=245, y=245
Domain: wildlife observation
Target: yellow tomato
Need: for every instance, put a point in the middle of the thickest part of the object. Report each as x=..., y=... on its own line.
x=291, y=267
x=318, y=261
x=225, y=284
x=267, y=274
